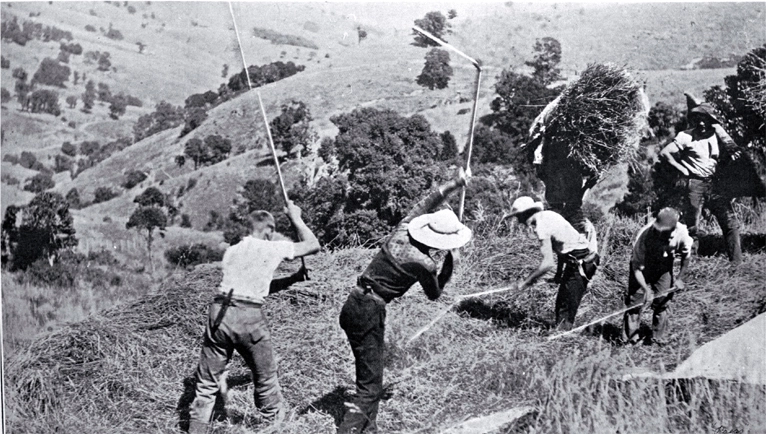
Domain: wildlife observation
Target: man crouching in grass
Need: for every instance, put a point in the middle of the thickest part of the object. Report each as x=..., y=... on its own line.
x=651, y=273
x=405, y=258
x=236, y=322
x=578, y=251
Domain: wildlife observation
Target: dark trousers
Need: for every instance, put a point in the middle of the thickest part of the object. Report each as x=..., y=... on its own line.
x=244, y=329
x=363, y=318
x=659, y=283
x=571, y=291
x=700, y=193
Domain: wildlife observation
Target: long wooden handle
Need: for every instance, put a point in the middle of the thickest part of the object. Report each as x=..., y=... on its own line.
x=265, y=122
x=602, y=319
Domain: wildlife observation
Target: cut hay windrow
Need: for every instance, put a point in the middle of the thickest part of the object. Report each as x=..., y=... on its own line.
x=600, y=118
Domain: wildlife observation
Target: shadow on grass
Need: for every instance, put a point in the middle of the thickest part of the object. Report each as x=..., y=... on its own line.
x=331, y=403
x=219, y=409
x=503, y=314
x=711, y=245
x=612, y=333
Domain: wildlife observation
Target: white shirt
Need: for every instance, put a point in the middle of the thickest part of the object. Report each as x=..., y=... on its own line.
x=564, y=237
x=697, y=156
x=248, y=267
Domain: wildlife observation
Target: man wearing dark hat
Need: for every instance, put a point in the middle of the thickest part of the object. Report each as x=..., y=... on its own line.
x=578, y=251
x=405, y=258
x=651, y=273
x=694, y=153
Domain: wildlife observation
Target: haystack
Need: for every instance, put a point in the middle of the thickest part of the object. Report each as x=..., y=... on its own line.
x=599, y=118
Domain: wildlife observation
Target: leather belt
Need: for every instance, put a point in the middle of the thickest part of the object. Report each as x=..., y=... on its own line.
x=369, y=292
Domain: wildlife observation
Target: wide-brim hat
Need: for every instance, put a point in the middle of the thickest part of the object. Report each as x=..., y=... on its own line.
x=524, y=204
x=705, y=109
x=439, y=230
x=694, y=105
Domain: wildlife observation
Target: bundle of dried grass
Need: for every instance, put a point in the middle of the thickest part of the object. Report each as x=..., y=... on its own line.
x=600, y=118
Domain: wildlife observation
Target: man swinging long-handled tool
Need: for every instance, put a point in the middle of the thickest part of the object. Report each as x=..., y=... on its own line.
x=404, y=259
x=235, y=320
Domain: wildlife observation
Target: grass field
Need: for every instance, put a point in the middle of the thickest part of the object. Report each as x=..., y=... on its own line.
x=130, y=368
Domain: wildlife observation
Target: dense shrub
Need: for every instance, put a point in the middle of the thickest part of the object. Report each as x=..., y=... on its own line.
x=165, y=116
x=44, y=101
x=291, y=130
x=39, y=183
x=282, y=39
x=37, y=230
x=194, y=254
x=385, y=163
x=52, y=73
x=103, y=194
x=261, y=75
x=133, y=178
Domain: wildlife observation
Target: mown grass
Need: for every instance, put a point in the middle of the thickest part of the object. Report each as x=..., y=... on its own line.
x=130, y=368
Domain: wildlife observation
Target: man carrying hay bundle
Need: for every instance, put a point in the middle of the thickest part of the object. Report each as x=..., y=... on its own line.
x=578, y=252
x=406, y=257
x=694, y=154
x=235, y=319
x=596, y=123
x=651, y=273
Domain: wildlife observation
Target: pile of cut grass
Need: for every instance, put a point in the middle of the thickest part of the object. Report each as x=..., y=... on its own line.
x=600, y=118
x=130, y=369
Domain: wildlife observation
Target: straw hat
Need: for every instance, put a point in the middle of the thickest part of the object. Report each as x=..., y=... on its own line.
x=523, y=204
x=439, y=230
x=666, y=220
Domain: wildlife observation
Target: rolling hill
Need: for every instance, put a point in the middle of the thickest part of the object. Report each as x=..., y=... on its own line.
x=187, y=45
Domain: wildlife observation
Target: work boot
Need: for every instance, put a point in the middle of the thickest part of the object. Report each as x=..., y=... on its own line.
x=198, y=427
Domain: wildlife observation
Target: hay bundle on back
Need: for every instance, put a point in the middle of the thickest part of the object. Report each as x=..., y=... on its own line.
x=600, y=118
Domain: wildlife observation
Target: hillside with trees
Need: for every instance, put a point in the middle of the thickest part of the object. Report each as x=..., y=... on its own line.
x=132, y=149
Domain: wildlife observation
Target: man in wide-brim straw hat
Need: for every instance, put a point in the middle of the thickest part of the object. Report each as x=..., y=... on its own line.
x=651, y=273
x=404, y=259
x=578, y=251
x=694, y=154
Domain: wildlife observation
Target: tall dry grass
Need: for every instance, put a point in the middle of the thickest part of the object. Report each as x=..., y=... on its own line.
x=130, y=369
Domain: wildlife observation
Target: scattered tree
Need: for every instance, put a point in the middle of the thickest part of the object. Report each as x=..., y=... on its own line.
x=117, y=106
x=361, y=33
x=291, y=130
x=39, y=183
x=5, y=96
x=52, y=73
x=104, y=194
x=436, y=72
x=451, y=14
x=104, y=64
x=19, y=73
x=434, y=23
x=72, y=101
x=133, y=178
x=546, y=60
x=39, y=229
x=147, y=219
x=4, y=63
x=89, y=96
x=73, y=198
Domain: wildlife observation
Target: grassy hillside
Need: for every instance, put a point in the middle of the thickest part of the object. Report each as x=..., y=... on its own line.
x=130, y=368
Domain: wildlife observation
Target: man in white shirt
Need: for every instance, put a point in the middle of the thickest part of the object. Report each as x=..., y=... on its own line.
x=694, y=154
x=235, y=319
x=578, y=251
x=651, y=273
